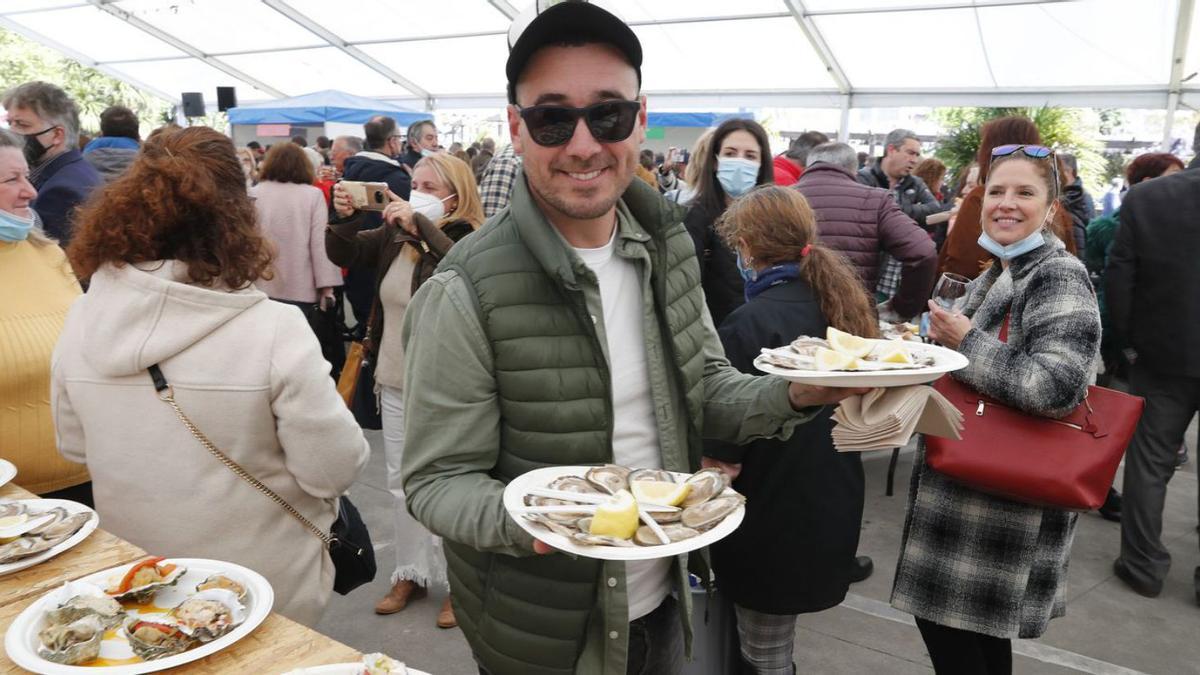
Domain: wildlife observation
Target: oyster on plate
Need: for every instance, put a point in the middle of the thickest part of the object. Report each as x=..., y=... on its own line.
x=72, y=643
x=101, y=606
x=209, y=614
x=225, y=582
x=156, y=639
x=706, y=515
x=143, y=580
x=709, y=500
x=58, y=526
x=611, y=477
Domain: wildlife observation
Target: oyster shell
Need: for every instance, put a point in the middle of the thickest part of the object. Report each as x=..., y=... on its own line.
x=551, y=524
x=665, y=517
x=704, y=485
x=651, y=474
x=156, y=639
x=24, y=547
x=225, y=582
x=561, y=517
x=611, y=477
x=209, y=614
x=706, y=515
x=600, y=540
x=646, y=537
x=576, y=484
x=9, y=509
x=72, y=643
x=147, y=582
x=64, y=525
x=104, y=608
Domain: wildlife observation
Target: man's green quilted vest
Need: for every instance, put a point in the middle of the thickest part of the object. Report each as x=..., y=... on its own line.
x=529, y=615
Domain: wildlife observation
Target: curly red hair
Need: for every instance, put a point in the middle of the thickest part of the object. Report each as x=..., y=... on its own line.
x=184, y=198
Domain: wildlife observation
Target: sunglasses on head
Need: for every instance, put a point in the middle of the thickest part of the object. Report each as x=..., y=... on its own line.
x=1034, y=151
x=608, y=121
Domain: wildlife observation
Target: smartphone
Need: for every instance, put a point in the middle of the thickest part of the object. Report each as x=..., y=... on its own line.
x=367, y=196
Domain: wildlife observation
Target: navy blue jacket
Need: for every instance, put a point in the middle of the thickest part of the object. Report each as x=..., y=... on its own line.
x=804, y=498
x=62, y=184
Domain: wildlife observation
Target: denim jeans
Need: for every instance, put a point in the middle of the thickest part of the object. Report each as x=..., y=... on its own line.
x=655, y=642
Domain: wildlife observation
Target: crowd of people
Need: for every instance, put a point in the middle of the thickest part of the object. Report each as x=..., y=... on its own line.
x=573, y=298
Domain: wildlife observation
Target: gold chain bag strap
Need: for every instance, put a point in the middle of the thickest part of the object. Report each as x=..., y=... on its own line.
x=354, y=564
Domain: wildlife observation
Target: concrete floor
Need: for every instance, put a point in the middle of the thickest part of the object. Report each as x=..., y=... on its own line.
x=1108, y=629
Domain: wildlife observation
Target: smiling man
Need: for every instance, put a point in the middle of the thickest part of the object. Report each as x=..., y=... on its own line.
x=570, y=329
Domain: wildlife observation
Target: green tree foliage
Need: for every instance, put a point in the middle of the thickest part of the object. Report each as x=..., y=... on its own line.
x=1064, y=129
x=23, y=60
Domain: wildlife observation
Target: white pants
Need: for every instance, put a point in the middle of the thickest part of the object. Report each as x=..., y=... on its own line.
x=418, y=553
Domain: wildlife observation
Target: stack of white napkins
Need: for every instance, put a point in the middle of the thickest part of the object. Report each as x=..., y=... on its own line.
x=886, y=418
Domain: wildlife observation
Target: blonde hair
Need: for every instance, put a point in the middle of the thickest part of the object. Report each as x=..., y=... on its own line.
x=691, y=173
x=775, y=225
x=457, y=176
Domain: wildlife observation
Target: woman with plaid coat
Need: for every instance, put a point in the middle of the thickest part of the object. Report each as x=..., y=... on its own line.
x=977, y=570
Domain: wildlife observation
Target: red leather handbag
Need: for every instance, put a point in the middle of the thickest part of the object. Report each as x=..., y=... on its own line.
x=1066, y=463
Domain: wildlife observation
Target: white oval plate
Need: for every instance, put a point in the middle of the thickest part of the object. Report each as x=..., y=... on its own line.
x=343, y=669
x=21, y=641
x=45, y=505
x=514, y=498
x=8, y=471
x=945, y=361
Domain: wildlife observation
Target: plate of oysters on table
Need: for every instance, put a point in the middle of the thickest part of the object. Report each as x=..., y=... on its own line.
x=620, y=513
x=34, y=530
x=142, y=617
x=844, y=360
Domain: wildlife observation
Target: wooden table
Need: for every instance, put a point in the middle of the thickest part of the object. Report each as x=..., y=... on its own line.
x=276, y=646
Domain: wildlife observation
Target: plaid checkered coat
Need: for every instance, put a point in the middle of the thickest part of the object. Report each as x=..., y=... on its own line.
x=978, y=562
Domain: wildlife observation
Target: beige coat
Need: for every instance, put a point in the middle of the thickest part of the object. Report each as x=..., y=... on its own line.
x=249, y=373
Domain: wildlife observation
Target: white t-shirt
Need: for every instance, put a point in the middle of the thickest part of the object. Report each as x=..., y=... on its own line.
x=635, y=430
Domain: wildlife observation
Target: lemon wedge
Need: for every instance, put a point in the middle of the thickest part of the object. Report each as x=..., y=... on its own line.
x=846, y=343
x=827, y=359
x=659, y=492
x=11, y=521
x=894, y=353
x=616, y=518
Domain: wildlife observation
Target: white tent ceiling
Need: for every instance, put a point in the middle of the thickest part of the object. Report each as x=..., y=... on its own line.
x=698, y=53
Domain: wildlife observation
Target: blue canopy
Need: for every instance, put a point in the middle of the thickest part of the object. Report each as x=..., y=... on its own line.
x=692, y=119
x=323, y=106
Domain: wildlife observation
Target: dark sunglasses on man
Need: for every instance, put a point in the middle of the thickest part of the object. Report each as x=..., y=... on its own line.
x=554, y=125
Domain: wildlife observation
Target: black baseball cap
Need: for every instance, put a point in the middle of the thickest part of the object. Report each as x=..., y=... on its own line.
x=551, y=21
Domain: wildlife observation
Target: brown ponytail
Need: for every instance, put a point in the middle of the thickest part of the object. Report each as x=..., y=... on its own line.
x=775, y=224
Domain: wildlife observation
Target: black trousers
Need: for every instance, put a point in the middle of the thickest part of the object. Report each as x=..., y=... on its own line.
x=962, y=652
x=1171, y=401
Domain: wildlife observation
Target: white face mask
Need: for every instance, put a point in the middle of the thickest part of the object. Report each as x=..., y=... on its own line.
x=428, y=205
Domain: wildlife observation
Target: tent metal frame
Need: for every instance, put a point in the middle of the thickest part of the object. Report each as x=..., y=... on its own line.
x=841, y=94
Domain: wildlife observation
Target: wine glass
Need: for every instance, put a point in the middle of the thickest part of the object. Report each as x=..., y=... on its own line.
x=951, y=292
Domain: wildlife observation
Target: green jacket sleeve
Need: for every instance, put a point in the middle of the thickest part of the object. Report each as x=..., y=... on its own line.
x=740, y=408
x=452, y=422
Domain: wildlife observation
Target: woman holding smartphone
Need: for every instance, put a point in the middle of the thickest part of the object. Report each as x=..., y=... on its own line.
x=444, y=207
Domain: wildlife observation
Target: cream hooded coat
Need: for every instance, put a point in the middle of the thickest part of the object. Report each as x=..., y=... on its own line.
x=249, y=373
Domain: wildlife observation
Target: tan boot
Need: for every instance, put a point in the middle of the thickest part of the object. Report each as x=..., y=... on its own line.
x=445, y=618
x=397, y=598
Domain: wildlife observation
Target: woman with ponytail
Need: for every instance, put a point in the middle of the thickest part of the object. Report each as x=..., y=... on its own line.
x=804, y=499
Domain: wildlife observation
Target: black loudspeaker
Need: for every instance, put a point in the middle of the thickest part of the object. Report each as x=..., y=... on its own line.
x=226, y=98
x=193, y=104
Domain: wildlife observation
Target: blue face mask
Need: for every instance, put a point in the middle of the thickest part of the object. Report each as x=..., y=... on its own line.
x=737, y=175
x=14, y=227
x=1014, y=250
x=426, y=152
x=748, y=273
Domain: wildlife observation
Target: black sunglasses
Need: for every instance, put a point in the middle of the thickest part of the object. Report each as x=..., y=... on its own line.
x=608, y=121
